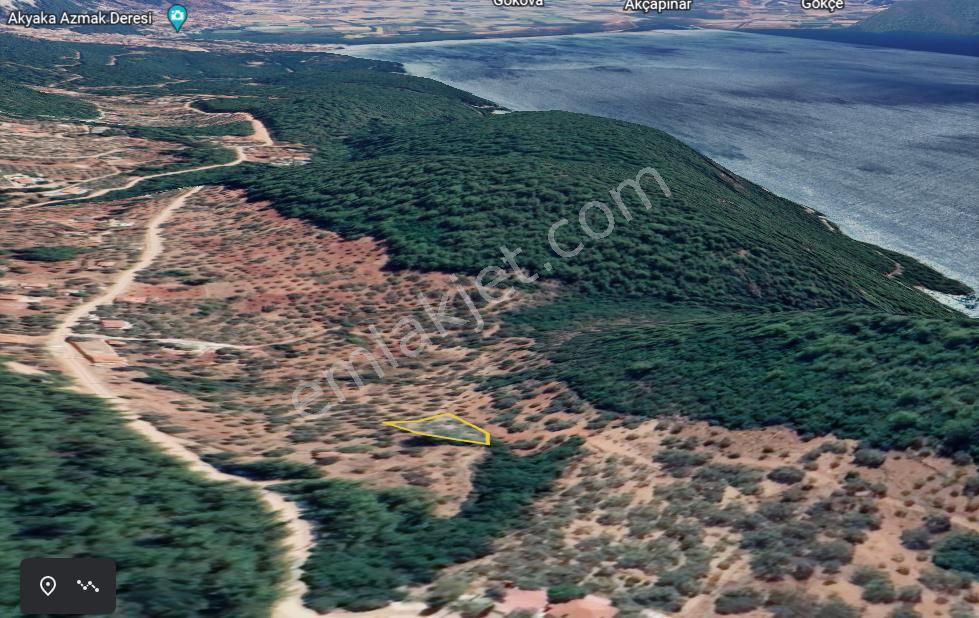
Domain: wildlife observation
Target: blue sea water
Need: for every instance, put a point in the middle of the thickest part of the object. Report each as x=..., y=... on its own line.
x=883, y=141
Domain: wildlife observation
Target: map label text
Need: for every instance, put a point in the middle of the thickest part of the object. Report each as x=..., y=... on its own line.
x=823, y=5
x=98, y=18
x=657, y=5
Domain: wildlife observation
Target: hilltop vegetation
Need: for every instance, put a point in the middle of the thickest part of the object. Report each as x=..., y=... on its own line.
x=330, y=105
x=886, y=379
x=447, y=197
x=952, y=17
x=76, y=482
x=18, y=100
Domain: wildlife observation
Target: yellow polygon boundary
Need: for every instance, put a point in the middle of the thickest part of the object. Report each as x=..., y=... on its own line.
x=400, y=425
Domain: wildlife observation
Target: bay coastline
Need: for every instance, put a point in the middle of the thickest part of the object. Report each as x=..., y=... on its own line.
x=756, y=117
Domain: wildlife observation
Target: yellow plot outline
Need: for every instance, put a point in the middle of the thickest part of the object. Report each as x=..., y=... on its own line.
x=398, y=425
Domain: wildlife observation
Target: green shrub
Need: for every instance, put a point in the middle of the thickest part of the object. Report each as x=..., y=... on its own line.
x=961, y=610
x=916, y=539
x=903, y=612
x=474, y=608
x=835, y=608
x=49, y=254
x=740, y=601
x=879, y=591
x=679, y=462
x=839, y=552
x=563, y=593
x=869, y=458
x=665, y=598
x=959, y=552
x=770, y=565
x=877, y=586
x=909, y=594
x=938, y=523
x=791, y=604
x=939, y=580
x=271, y=470
x=446, y=590
x=742, y=478
x=787, y=475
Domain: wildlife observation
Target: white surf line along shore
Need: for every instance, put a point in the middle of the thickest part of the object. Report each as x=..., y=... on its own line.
x=299, y=533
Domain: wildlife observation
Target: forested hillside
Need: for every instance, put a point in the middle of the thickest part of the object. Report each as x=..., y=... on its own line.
x=77, y=483
x=18, y=100
x=885, y=379
x=447, y=197
x=953, y=17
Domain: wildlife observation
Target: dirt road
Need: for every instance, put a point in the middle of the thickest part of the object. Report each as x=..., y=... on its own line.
x=239, y=159
x=261, y=135
x=299, y=534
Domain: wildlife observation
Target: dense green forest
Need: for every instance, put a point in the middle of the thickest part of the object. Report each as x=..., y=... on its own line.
x=370, y=543
x=888, y=379
x=331, y=105
x=76, y=482
x=18, y=100
x=447, y=197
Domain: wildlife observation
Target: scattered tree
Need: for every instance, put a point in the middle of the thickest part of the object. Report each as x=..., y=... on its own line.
x=740, y=601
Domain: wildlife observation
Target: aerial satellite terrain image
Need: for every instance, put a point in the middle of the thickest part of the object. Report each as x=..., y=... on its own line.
x=489, y=308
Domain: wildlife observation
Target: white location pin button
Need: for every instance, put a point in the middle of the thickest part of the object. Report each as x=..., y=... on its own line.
x=48, y=585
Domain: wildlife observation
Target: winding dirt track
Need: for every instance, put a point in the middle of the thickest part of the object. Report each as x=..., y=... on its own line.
x=239, y=159
x=261, y=135
x=299, y=533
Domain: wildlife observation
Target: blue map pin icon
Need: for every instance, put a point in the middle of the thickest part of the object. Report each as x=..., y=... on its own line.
x=177, y=14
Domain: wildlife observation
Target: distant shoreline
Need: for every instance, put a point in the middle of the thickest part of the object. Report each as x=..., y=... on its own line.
x=915, y=41
x=967, y=305
x=311, y=37
x=961, y=304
